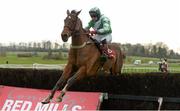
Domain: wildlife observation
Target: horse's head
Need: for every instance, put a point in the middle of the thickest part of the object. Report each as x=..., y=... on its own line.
x=71, y=24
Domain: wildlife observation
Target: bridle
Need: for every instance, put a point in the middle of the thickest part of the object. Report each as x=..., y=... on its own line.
x=74, y=22
x=75, y=33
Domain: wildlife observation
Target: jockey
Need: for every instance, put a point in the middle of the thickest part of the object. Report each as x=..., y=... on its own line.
x=101, y=30
x=165, y=63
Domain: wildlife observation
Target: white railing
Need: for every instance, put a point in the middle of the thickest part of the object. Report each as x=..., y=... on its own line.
x=125, y=69
x=34, y=66
x=48, y=66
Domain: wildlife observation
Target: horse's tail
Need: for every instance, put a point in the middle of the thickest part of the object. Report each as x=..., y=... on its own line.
x=123, y=56
x=120, y=56
x=117, y=63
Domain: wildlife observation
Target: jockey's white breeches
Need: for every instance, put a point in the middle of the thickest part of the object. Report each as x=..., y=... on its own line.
x=100, y=38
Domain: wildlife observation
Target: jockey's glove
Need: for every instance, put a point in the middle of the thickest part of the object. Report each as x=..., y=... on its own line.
x=93, y=32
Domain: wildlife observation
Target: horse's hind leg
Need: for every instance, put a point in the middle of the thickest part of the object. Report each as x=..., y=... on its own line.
x=61, y=80
x=107, y=67
x=77, y=76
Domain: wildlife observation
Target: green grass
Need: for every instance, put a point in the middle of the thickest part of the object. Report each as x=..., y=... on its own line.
x=143, y=68
x=131, y=59
x=128, y=67
x=13, y=59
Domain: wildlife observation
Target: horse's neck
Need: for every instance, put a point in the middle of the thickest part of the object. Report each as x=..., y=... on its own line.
x=80, y=38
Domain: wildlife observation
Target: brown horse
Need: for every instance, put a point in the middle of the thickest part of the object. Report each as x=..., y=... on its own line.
x=84, y=56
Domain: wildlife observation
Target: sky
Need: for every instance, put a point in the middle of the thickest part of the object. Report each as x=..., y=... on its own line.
x=132, y=21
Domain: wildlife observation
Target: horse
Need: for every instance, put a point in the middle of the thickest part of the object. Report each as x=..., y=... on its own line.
x=163, y=67
x=83, y=57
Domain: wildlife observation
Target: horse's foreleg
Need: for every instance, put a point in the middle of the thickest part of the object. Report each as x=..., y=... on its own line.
x=61, y=80
x=77, y=76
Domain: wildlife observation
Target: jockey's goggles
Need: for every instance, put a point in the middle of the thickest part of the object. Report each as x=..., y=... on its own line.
x=93, y=14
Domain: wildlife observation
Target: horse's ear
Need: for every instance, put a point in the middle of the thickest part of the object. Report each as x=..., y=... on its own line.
x=68, y=12
x=78, y=12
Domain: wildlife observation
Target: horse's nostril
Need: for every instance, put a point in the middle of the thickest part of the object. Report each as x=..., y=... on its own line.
x=64, y=35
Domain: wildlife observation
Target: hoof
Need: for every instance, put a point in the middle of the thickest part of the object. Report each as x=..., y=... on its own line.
x=58, y=99
x=46, y=101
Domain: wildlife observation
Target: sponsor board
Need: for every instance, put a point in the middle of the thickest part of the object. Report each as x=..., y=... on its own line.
x=26, y=99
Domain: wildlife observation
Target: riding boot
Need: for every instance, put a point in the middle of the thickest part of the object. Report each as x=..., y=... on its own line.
x=106, y=51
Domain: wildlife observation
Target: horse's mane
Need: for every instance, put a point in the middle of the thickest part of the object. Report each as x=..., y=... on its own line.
x=84, y=30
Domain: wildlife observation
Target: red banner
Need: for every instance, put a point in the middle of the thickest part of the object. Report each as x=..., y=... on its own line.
x=25, y=99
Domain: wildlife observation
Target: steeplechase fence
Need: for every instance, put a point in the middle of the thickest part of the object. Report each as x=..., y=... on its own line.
x=126, y=91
